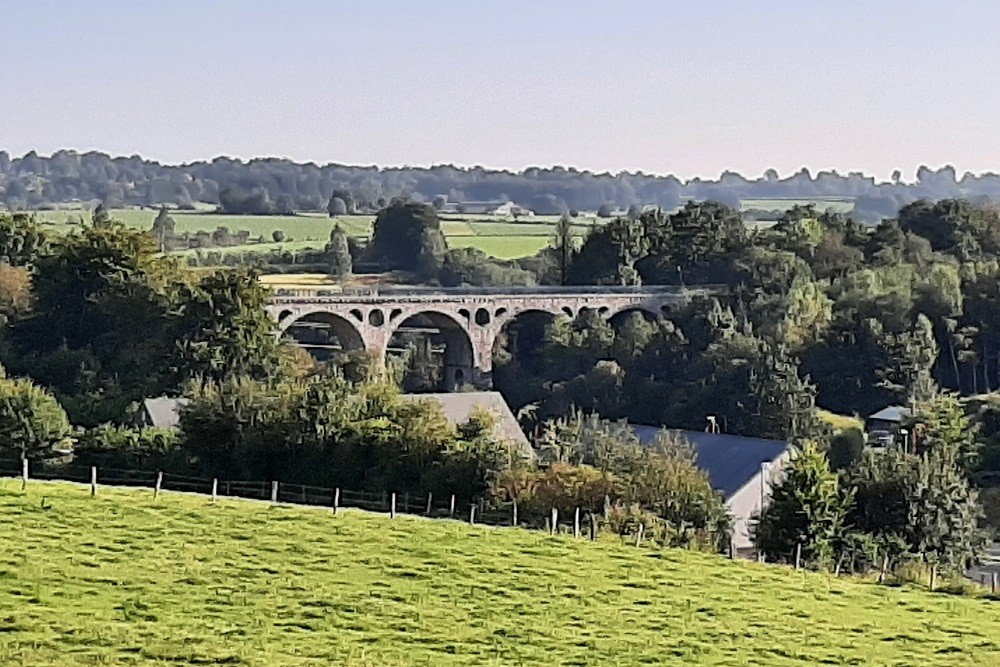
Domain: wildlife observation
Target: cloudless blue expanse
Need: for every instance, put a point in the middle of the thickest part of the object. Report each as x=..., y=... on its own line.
x=690, y=88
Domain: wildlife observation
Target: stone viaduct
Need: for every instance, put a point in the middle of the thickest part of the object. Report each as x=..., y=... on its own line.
x=469, y=319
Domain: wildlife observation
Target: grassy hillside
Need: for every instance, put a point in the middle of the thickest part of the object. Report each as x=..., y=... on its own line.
x=119, y=580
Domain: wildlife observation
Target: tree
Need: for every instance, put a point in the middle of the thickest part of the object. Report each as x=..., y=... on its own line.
x=100, y=334
x=807, y=509
x=563, y=245
x=917, y=506
x=407, y=235
x=100, y=217
x=941, y=427
x=337, y=206
x=284, y=204
x=15, y=292
x=21, y=239
x=339, y=252
x=163, y=227
x=32, y=423
x=278, y=236
x=226, y=331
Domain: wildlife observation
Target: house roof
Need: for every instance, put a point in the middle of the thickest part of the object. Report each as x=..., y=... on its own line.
x=459, y=406
x=893, y=413
x=730, y=460
x=163, y=411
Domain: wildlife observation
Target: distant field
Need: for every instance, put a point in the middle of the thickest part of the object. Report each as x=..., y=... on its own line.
x=497, y=238
x=121, y=580
x=835, y=204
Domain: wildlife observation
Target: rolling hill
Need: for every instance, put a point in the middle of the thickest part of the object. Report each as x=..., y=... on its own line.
x=122, y=580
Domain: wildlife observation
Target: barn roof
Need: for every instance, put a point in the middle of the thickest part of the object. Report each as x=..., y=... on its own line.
x=731, y=461
x=163, y=411
x=893, y=413
x=459, y=406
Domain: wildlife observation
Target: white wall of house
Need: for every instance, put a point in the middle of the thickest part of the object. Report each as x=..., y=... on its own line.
x=745, y=504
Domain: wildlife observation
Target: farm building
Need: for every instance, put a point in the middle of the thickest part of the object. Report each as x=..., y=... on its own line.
x=496, y=208
x=883, y=426
x=458, y=407
x=160, y=412
x=740, y=468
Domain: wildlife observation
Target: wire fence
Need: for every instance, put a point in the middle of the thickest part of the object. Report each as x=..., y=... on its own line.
x=429, y=505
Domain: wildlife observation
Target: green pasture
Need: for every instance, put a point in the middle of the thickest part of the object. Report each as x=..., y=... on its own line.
x=498, y=238
x=122, y=580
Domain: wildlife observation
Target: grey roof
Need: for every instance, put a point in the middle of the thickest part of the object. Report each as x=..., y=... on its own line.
x=893, y=413
x=163, y=411
x=459, y=406
x=730, y=460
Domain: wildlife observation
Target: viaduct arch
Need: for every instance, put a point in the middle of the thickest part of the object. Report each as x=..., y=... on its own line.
x=368, y=318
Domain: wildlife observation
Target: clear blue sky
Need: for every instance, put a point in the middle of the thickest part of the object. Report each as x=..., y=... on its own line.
x=691, y=88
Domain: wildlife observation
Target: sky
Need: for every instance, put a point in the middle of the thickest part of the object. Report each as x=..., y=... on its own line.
x=689, y=88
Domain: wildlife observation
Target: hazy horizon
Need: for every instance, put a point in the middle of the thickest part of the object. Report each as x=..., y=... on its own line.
x=637, y=86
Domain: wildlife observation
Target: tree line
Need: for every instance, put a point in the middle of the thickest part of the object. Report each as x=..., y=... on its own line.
x=278, y=186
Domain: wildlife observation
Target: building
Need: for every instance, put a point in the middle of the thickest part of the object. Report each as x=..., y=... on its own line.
x=459, y=407
x=500, y=208
x=740, y=468
x=883, y=426
x=160, y=412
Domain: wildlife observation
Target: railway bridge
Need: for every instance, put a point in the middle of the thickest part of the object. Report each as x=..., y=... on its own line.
x=465, y=321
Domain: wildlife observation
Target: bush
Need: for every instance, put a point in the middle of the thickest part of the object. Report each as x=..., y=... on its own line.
x=131, y=448
x=32, y=422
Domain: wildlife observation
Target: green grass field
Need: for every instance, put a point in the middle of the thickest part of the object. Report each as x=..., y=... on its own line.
x=497, y=238
x=121, y=580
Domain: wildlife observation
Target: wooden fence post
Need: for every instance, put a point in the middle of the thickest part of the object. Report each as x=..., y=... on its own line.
x=215, y=488
x=392, y=506
x=451, y=510
x=593, y=526
x=93, y=480
x=995, y=582
x=274, y=491
x=554, y=524
x=472, y=514
x=336, y=500
x=513, y=513
x=884, y=570
x=430, y=499
x=576, y=523
x=406, y=502
x=159, y=484
x=732, y=545
x=798, y=556
x=933, y=576
x=638, y=535
x=24, y=474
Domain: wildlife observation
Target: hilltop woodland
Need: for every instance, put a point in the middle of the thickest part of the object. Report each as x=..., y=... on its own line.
x=815, y=310
x=276, y=186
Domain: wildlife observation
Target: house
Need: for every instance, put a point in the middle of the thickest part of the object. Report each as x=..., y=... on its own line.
x=458, y=407
x=883, y=426
x=160, y=412
x=740, y=468
x=500, y=208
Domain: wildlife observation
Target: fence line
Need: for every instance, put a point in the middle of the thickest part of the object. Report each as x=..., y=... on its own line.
x=427, y=505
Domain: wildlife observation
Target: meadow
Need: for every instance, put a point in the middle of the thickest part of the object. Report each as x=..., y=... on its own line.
x=498, y=238
x=122, y=580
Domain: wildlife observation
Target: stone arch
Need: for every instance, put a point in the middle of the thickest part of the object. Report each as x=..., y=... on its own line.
x=649, y=312
x=450, y=342
x=323, y=333
x=535, y=319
